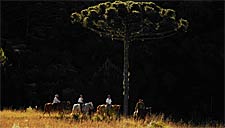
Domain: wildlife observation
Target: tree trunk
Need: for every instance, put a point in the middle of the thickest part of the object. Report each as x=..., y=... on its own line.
x=125, y=75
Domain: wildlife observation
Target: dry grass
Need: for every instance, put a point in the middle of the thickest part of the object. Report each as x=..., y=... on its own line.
x=35, y=119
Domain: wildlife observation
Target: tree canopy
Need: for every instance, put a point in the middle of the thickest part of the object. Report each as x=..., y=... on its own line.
x=137, y=19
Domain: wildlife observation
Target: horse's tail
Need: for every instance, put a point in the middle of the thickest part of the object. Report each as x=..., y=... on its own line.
x=45, y=107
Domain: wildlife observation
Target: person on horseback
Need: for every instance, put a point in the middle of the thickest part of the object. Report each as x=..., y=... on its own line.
x=56, y=101
x=140, y=108
x=81, y=102
x=108, y=104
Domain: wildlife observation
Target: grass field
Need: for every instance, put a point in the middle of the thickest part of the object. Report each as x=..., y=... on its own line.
x=36, y=119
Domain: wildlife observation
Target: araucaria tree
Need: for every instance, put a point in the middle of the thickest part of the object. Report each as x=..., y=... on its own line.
x=130, y=21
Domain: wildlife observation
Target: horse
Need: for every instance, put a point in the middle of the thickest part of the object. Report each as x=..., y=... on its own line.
x=85, y=109
x=114, y=110
x=49, y=107
x=141, y=114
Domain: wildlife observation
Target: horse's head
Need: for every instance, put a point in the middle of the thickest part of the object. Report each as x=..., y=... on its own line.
x=91, y=106
x=116, y=107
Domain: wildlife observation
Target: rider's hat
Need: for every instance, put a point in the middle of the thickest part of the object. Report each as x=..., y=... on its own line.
x=56, y=95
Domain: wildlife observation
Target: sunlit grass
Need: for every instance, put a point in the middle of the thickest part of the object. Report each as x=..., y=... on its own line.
x=36, y=119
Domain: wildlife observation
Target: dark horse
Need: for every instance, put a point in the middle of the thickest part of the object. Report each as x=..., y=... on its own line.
x=60, y=107
x=141, y=114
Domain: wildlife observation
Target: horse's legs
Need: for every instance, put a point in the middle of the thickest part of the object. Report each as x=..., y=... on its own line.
x=117, y=115
x=60, y=109
x=108, y=114
x=107, y=111
x=45, y=112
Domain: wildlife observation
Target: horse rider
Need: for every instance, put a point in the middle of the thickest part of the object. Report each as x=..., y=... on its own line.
x=108, y=104
x=140, y=108
x=56, y=101
x=81, y=102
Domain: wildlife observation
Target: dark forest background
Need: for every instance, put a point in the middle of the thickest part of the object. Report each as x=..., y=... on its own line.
x=181, y=76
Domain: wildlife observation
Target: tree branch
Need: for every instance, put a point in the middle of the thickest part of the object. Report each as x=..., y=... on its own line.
x=150, y=36
x=111, y=35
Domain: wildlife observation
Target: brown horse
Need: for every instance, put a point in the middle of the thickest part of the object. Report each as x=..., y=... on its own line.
x=50, y=107
x=114, y=110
